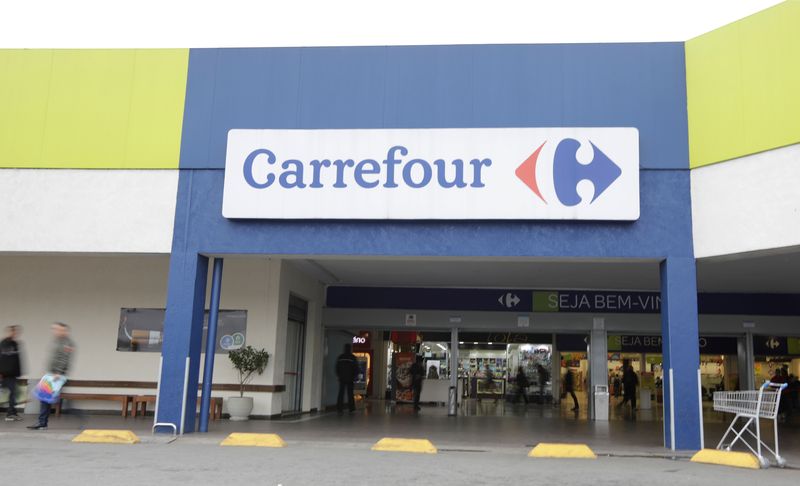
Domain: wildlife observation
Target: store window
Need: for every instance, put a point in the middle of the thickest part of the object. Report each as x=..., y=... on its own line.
x=489, y=370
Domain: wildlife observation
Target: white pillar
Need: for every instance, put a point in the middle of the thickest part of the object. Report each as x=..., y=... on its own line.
x=598, y=359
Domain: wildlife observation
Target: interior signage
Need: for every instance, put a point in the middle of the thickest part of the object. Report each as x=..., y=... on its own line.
x=776, y=345
x=597, y=302
x=632, y=343
x=362, y=341
x=470, y=173
x=526, y=300
x=505, y=337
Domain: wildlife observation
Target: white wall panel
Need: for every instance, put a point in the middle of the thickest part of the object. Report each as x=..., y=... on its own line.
x=747, y=204
x=119, y=211
x=87, y=293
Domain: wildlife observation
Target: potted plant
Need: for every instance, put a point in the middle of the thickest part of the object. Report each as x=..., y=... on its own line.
x=248, y=362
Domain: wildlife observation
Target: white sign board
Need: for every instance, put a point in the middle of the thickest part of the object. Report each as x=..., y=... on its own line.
x=473, y=173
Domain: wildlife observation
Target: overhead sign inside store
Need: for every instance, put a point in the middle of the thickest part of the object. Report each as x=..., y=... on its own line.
x=631, y=343
x=475, y=173
x=597, y=301
x=776, y=345
x=429, y=298
x=565, y=301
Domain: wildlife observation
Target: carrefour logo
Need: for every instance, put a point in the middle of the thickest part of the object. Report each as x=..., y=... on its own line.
x=369, y=173
x=568, y=172
x=510, y=173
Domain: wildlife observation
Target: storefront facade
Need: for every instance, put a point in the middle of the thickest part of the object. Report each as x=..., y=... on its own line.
x=193, y=141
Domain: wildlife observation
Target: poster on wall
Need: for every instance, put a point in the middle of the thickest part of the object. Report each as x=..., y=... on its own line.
x=403, y=391
x=142, y=330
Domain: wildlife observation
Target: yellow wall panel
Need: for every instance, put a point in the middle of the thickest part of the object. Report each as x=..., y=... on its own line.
x=24, y=84
x=92, y=108
x=88, y=108
x=742, y=84
x=156, y=115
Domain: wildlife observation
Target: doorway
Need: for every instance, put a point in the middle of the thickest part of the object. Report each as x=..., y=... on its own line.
x=295, y=345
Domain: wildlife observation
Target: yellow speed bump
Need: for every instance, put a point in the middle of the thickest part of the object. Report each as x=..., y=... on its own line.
x=239, y=439
x=562, y=451
x=727, y=458
x=98, y=436
x=420, y=446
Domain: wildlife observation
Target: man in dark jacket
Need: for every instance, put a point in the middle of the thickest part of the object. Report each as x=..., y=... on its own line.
x=522, y=385
x=629, y=383
x=544, y=376
x=417, y=375
x=569, y=388
x=60, y=359
x=346, y=372
x=10, y=369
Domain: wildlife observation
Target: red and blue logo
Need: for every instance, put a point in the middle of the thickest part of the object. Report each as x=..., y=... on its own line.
x=568, y=172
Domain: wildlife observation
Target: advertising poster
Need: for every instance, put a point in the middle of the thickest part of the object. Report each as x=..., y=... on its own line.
x=142, y=330
x=402, y=376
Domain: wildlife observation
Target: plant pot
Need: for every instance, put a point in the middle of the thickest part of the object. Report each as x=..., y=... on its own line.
x=239, y=408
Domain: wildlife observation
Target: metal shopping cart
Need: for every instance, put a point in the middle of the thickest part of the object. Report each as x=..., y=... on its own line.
x=751, y=405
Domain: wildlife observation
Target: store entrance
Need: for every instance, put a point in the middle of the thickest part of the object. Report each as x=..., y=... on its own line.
x=514, y=373
x=495, y=373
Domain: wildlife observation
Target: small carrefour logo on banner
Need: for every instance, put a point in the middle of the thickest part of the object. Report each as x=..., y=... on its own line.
x=567, y=172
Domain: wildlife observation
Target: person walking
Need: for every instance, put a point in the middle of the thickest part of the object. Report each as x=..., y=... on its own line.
x=569, y=387
x=629, y=383
x=522, y=385
x=10, y=369
x=60, y=360
x=543, y=377
x=417, y=375
x=346, y=372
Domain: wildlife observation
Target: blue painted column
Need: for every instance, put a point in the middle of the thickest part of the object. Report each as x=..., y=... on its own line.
x=683, y=420
x=211, y=343
x=183, y=336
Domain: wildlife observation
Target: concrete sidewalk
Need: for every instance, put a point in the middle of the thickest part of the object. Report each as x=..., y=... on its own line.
x=499, y=427
x=26, y=460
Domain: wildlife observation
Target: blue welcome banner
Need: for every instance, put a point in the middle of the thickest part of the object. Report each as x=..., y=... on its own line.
x=568, y=301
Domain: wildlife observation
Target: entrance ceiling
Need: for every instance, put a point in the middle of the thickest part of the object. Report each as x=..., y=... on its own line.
x=772, y=273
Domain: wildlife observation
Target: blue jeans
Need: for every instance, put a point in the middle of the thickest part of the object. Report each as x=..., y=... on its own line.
x=44, y=413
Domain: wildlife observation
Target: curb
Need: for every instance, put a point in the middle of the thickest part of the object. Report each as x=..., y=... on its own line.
x=238, y=439
x=419, y=446
x=562, y=451
x=727, y=458
x=101, y=436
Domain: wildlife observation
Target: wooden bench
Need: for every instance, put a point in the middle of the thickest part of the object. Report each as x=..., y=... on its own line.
x=141, y=401
x=125, y=400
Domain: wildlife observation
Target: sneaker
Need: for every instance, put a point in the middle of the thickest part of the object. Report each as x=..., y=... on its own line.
x=37, y=427
x=13, y=418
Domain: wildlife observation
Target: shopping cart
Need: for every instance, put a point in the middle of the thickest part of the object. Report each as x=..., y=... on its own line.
x=751, y=405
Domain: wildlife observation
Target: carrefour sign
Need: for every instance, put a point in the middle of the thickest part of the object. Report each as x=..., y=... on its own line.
x=478, y=173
